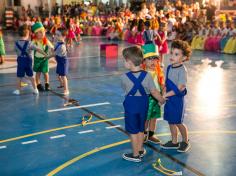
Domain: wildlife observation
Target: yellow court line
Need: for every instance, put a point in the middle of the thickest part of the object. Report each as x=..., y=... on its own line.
x=57, y=129
x=58, y=169
x=68, y=163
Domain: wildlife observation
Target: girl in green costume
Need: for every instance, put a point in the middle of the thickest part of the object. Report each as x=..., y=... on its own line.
x=40, y=61
x=152, y=65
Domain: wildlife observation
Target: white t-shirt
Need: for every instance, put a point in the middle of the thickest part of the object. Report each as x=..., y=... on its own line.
x=215, y=31
x=224, y=31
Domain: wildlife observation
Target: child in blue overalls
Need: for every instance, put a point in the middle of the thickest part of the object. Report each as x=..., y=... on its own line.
x=24, y=50
x=137, y=85
x=61, y=58
x=176, y=80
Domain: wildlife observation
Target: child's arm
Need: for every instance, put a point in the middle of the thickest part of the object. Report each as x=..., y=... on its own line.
x=156, y=94
x=172, y=93
x=36, y=48
x=41, y=51
x=158, y=37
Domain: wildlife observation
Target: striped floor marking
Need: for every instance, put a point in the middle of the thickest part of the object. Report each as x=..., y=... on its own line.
x=87, y=131
x=3, y=147
x=29, y=142
x=58, y=136
x=58, y=129
x=78, y=107
x=110, y=127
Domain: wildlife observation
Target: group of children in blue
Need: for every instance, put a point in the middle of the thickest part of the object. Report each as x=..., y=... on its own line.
x=139, y=86
x=40, y=47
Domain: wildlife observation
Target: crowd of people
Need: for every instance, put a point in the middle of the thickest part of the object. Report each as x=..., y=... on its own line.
x=199, y=25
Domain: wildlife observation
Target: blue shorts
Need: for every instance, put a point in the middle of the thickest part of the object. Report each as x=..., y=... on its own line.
x=62, y=66
x=135, y=122
x=174, y=111
x=24, y=67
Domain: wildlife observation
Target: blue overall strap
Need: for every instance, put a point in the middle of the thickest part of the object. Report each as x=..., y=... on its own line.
x=58, y=45
x=146, y=37
x=167, y=72
x=137, y=83
x=23, y=49
x=172, y=85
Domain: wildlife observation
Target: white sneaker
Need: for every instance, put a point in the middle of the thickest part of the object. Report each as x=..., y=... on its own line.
x=16, y=92
x=36, y=91
x=66, y=93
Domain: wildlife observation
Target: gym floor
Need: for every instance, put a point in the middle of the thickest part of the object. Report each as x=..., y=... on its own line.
x=39, y=136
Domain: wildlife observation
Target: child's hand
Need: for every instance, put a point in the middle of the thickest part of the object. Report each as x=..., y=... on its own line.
x=165, y=97
x=49, y=56
x=161, y=101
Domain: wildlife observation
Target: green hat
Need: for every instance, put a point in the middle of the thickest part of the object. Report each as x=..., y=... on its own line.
x=150, y=50
x=37, y=27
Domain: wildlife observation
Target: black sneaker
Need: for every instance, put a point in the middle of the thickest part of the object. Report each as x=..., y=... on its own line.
x=40, y=87
x=47, y=87
x=130, y=157
x=170, y=145
x=184, y=147
x=142, y=153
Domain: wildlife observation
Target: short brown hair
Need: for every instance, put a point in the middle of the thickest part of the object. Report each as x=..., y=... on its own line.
x=183, y=46
x=23, y=30
x=134, y=54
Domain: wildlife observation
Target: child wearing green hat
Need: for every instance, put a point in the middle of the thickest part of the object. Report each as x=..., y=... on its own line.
x=40, y=62
x=152, y=65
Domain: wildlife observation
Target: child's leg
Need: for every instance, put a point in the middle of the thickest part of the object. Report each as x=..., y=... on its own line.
x=146, y=132
x=65, y=83
x=152, y=126
x=174, y=133
x=37, y=78
x=1, y=59
x=60, y=80
x=184, y=132
x=161, y=58
x=76, y=40
x=32, y=80
x=69, y=42
x=152, y=129
x=18, y=83
x=140, y=141
x=46, y=77
x=135, y=144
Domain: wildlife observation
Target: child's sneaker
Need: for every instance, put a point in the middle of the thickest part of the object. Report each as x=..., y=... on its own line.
x=130, y=157
x=40, y=87
x=16, y=92
x=184, y=147
x=154, y=140
x=142, y=153
x=35, y=91
x=170, y=145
